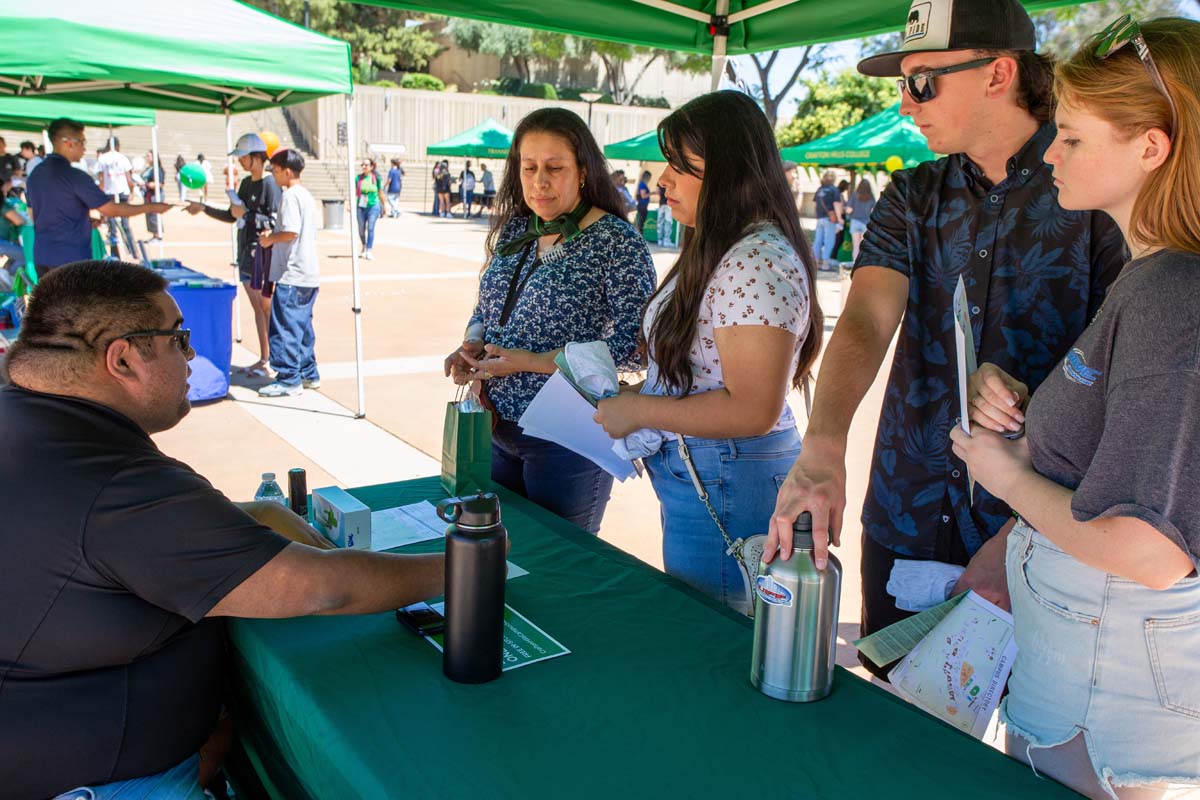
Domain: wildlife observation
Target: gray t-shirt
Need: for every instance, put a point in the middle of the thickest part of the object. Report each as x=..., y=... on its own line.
x=1119, y=420
x=294, y=263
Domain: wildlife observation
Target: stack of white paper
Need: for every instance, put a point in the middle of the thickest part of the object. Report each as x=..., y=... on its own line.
x=561, y=415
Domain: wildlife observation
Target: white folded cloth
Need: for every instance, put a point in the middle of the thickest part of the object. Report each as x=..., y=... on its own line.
x=918, y=585
x=592, y=368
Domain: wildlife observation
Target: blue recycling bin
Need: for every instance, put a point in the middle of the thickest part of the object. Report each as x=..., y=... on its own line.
x=207, y=307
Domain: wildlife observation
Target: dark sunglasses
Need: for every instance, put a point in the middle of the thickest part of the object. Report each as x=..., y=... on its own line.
x=182, y=336
x=1124, y=31
x=920, y=85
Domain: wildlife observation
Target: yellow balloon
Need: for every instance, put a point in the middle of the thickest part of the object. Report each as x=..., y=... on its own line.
x=271, y=141
x=894, y=163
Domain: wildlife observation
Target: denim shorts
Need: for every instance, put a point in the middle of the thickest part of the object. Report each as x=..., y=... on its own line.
x=857, y=226
x=181, y=782
x=742, y=478
x=1107, y=658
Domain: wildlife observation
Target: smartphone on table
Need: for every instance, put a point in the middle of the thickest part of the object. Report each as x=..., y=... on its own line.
x=421, y=619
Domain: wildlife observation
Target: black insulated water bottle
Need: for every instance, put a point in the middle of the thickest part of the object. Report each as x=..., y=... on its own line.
x=476, y=566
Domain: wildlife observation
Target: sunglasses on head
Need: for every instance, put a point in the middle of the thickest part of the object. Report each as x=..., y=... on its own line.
x=1126, y=30
x=920, y=85
x=182, y=336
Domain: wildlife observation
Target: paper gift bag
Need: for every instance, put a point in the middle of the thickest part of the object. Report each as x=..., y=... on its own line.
x=466, y=451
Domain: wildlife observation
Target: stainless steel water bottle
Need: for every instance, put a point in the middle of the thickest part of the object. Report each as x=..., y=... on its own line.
x=795, y=622
x=476, y=566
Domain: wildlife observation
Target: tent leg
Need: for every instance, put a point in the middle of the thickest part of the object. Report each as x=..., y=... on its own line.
x=356, y=306
x=158, y=190
x=720, y=42
x=237, y=297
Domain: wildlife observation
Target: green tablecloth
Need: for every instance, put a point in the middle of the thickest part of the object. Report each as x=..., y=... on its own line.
x=654, y=700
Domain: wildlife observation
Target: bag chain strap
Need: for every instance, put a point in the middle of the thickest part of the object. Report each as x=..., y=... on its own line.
x=734, y=545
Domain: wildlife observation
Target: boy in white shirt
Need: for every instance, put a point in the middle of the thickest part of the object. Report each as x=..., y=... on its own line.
x=296, y=275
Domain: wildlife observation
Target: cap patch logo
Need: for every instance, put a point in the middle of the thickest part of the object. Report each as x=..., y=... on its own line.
x=918, y=22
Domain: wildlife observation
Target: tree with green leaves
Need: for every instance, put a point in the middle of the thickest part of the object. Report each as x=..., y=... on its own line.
x=521, y=46
x=834, y=103
x=1062, y=31
x=379, y=38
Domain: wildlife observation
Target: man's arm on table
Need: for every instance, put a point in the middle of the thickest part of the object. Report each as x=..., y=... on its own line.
x=817, y=481
x=302, y=580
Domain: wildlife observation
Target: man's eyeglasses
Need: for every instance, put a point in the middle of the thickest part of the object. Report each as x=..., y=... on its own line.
x=920, y=85
x=79, y=140
x=1124, y=31
x=182, y=336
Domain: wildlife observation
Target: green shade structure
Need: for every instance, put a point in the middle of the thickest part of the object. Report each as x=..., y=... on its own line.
x=867, y=145
x=488, y=139
x=643, y=147
x=36, y=113
x=215, y=56
x=719, y=27
x=177, y=55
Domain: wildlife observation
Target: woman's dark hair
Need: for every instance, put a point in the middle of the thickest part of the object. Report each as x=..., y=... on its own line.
x=744, y=183
x=865, y=191
x=597, y=191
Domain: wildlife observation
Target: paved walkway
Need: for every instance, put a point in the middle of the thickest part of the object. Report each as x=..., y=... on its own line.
x=416, y=296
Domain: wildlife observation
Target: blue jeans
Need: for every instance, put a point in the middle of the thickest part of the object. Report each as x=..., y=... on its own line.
x=1103, y=658
x=292, y=339
x=823, y=241
x=742, y=477
x=393, y=204
x=16, y=255
x=556, y=479
x=181, y=782
x=113, y=236
x=367, y=217
x=468, y=197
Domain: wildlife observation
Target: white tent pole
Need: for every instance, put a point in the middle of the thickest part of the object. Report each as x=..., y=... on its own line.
x=357, y=302
x=158, y=179
x=233, y=232
x=720, y=41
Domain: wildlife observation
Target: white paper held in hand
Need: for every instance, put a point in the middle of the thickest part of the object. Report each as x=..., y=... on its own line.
x=964, y=346
x=561, y=415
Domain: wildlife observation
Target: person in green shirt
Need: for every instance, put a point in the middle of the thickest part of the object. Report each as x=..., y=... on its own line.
x=368, y=186
x=14, y=215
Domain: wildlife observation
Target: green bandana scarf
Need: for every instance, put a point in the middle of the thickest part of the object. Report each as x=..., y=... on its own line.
x=566, y=226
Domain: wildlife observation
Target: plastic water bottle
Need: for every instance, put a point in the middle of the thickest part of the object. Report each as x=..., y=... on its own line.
x=476, y=567
x=795, y=622
x=269, y=490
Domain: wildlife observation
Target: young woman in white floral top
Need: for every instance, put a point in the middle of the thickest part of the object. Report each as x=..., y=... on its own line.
x=733, y=327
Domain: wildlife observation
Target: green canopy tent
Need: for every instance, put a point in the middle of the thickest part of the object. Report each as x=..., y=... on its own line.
x=30, y=114
x=218, y=56
x=719, y=27
x=643, y=147
x=866, y=146
x=488, y=139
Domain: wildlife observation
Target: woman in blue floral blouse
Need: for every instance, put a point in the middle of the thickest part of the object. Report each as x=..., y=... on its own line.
x=563, y=266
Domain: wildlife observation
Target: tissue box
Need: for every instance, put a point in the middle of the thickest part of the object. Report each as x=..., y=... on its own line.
x=343, y=520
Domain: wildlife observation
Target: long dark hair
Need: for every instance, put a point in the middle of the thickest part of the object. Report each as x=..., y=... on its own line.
x=744, y=183
x=597, y=191
x=865, y=191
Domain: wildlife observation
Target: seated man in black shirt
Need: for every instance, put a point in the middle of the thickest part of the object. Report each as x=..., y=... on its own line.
x=119, y=561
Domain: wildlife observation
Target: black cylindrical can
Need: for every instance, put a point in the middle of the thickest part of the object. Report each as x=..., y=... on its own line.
x=298, y=491
x=476, y=566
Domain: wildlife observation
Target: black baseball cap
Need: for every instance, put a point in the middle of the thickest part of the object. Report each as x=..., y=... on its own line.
x=938, y=25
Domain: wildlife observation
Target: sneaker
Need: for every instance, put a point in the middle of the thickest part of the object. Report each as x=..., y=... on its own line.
x=311, y=383
x=367, y=255
x=280, y=390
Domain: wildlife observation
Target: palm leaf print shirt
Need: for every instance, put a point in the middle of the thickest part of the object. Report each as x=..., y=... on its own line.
x=1035, y=276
